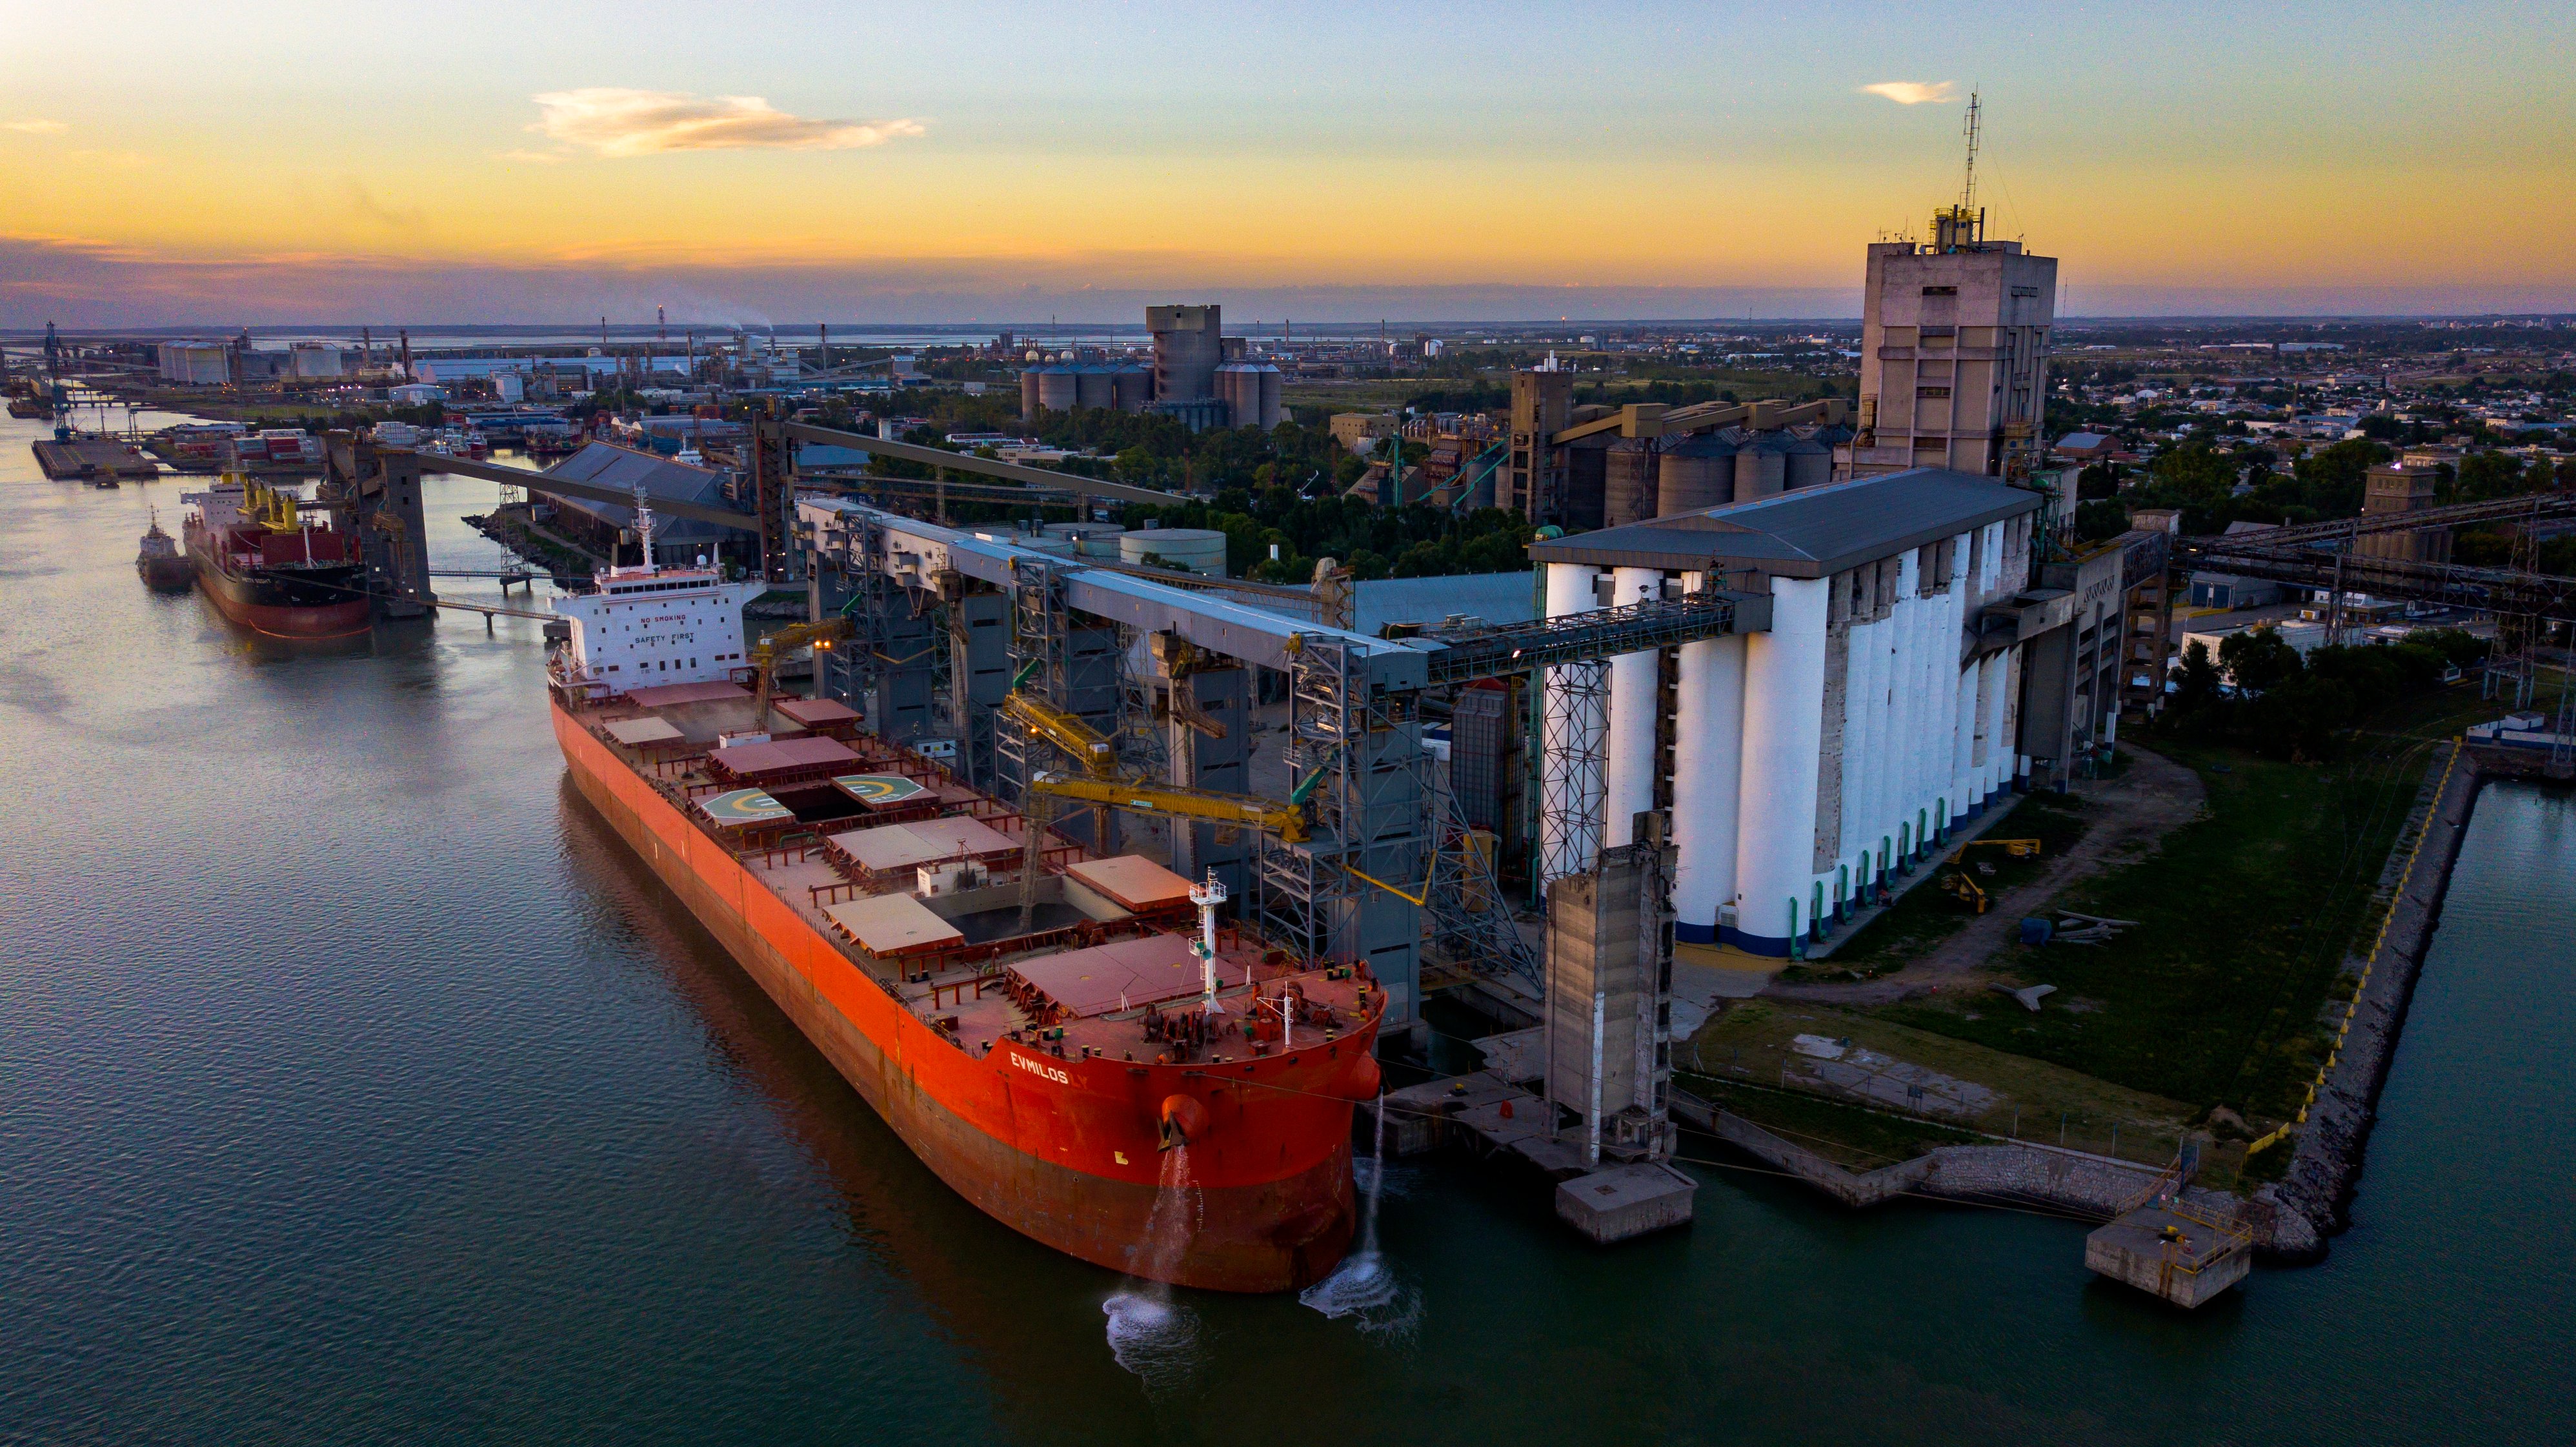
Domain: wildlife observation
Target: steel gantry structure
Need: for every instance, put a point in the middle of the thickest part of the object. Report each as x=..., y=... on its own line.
x=1382, y=870
x=2321, y=555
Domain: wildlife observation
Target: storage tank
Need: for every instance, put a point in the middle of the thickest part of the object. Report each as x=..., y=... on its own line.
x=1092, y=386
x=1762, y=466
x=1240, y=391
x=1273, y=412
x=1252, y=390
x=1130, y=387
x=1693, y=475
x=1029, y=402
x=1628, y=483
x=1056, y=388
x=1090, y=540
x=1201, y=550
x=1811, y=463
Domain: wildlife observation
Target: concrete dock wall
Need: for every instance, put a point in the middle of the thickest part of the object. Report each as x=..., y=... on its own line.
x=2312, y=1200
x=2001, y=1173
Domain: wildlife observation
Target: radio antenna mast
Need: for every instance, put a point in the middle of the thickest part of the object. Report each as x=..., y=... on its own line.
x=1962, y=227
x=1968, y=188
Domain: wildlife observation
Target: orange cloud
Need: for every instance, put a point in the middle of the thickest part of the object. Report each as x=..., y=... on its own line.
x=614, y=121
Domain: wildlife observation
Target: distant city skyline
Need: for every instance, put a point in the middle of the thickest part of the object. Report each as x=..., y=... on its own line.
x=216, y=166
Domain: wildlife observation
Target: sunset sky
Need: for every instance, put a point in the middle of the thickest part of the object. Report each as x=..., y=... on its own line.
x=458, y=162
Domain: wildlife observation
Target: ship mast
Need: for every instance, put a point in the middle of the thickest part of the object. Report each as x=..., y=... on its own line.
x=1207, y=897
x=644, y=527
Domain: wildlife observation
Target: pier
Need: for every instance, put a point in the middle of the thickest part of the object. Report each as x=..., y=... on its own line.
x=94, y=460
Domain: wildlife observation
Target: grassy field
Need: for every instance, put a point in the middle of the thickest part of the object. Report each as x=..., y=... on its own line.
x=2030, y=1098
x=1858, y=1140
x=1356, y=395
x=1926, y=915
x=2245, y=918
x=2219, y=997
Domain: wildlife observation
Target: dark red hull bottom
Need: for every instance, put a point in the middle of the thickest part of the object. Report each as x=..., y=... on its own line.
x=237, y=599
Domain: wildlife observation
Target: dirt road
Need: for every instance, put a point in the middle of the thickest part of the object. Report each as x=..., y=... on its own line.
x=2127, y=816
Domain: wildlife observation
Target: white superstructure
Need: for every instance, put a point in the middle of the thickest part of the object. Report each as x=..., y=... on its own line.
x=647, y=625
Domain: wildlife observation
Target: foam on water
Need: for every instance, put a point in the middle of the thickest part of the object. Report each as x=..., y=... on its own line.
x=1364, y=1286
x=1149, y=1333
x=1153, y=1336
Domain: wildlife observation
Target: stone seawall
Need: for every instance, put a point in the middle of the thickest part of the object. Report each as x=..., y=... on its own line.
x=2312, y=1200
x=1997, y=1174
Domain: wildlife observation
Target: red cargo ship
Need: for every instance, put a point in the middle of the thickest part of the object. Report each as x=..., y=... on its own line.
x=266, y=569
x=1063, y=1076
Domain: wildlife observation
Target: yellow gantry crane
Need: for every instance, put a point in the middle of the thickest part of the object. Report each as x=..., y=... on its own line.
x=1102, y=787
x=766, y=653
x=1288, y=821
x=1066, y=731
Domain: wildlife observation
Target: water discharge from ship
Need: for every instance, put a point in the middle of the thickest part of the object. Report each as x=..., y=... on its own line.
x=1150, y=1334
x=1364, y=1287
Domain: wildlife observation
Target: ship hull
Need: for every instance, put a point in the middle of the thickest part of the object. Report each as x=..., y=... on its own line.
x=1270, y=1207
x=166, y=573
x=268, y=606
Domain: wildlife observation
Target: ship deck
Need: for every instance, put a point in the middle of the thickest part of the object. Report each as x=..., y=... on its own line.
x=922, y=890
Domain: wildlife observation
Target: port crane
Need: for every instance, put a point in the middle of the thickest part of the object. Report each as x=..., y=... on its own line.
x=766, y=653
x=1101, y=785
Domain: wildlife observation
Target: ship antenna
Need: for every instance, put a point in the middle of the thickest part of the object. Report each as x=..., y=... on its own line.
x=644, y=524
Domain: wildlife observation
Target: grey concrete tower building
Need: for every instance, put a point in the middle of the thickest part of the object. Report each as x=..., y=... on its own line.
x=1954, y=352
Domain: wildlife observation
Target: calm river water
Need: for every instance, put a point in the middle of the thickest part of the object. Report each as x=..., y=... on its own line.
x=356, y=1087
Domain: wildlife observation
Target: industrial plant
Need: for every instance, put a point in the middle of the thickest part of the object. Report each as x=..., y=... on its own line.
x=1196, y=374
x=1696, y=686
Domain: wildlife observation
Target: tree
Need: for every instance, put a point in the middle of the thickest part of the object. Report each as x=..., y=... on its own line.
x=2495, y=474
x=2196, y=680
x=2095, y=521
x=2330, y=480
x=2257, y=661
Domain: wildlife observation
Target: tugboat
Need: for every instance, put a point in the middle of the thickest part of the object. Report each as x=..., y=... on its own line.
x=163, y=568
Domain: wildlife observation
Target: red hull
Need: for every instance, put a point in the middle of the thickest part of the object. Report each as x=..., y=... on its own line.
x=241, y=599
x=1063, y=1151
x=341, y=620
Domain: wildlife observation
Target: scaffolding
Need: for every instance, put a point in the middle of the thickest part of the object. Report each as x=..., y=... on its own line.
x=1466, y=920
x=1573, y=767
x=1361, y=749
x=1038, y=629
